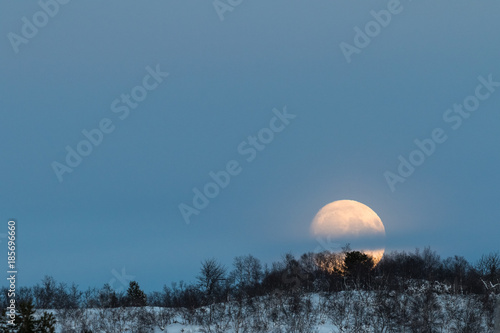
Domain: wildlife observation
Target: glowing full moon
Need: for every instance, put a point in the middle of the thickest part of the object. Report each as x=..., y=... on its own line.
x=347, y=218
x=351, y=222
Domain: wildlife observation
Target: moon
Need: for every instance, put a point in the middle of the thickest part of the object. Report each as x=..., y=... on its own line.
x=351, y=222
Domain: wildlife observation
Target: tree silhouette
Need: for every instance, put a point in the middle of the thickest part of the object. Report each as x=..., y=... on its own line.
x=135, y=296
x=211, y=275
x=46, y=323
x=25, y=321
x=358, y=264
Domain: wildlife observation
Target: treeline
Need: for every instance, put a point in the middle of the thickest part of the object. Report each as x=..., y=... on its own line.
x=324, y=272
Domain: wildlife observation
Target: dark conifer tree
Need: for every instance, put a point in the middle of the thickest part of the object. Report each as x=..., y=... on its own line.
x=135, y=296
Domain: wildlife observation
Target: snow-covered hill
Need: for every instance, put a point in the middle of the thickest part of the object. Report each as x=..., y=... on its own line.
x=422, y=308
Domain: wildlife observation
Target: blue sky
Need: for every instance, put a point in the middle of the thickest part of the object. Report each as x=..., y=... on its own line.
x=119, y=208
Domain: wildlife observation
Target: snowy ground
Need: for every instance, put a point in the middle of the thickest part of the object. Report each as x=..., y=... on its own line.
x=317, y=313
